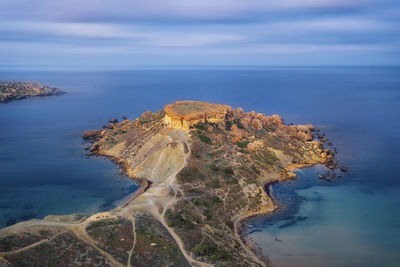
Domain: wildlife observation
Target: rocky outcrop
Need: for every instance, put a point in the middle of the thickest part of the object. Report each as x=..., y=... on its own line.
x=11, y=90
x=91, y=134
x=184, y=114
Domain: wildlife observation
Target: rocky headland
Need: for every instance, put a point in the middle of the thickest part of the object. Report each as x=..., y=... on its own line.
x=203, y=169
x=12, y=90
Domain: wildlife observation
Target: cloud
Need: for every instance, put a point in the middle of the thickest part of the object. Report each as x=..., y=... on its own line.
x=198, y=29
x=99, y=10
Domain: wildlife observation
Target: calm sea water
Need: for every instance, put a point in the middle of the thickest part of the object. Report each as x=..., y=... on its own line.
x=351, y=222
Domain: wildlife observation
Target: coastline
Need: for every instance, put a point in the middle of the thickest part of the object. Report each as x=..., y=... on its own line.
x=183, y=187
x=241, y=220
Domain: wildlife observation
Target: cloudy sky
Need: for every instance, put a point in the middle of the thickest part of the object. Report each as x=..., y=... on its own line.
x=199, y=32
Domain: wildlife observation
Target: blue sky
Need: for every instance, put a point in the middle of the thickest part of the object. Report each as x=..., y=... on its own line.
x=202, y=32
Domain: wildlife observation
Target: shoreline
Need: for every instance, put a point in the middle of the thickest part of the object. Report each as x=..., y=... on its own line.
x=241, y=220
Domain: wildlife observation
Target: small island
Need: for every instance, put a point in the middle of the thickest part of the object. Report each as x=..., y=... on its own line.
x=12, y=90
x=203, y=169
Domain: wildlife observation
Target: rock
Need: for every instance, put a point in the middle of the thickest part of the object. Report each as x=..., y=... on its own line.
x=110, y=126
x=94, y=147
x=184, y=114
x=303, y=128
x=221, y=125
x=235, y=133
x=87, y=147
x=311, y=127
x=245, y=121
x=328, y=176
x=90, y=134
x=238, y=113
x=255, y=145
x=114, y=121
x=343, y=168
x=331, y=163
x=274, y=120
x=323, y=139
x=330, y=144
x=256, y=125
x=146, y=116
x=124, y=117
x=305, y=136
x=104, y=126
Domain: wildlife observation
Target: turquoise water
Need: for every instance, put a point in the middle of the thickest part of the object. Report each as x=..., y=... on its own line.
x=350, y=222
x=340, y=225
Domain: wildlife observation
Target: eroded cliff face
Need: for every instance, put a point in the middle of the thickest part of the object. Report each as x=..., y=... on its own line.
x=203, y=168
x=185, y=114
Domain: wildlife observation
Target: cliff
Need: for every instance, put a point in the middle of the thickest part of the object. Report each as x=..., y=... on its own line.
x=184, y=114
x=202, y=167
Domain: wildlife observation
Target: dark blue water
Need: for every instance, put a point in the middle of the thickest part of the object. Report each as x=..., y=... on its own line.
x=42, y=171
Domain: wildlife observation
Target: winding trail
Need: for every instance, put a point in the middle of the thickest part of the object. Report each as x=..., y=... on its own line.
x=162, y=195
x=134, y=241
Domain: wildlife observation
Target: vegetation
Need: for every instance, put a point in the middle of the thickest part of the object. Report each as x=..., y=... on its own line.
x=176, y=220
x=189, y=174
x=242, y=144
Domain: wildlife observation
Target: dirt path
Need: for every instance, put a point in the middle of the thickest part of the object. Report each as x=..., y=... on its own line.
x=81, y=233
x=134, y=242
x=156, y=202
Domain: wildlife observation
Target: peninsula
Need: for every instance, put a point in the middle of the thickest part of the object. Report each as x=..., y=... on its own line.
x=12, y=90
x=202, y=169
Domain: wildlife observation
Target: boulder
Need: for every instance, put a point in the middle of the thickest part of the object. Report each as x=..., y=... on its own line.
x=146, y=116
x=343, y=168
x=255, y=145
x=113, y=120
x=90, y=134
x=256, y=124
x=245, y=121
x=303, y=128
x=304, y=136
x=273, y=120
x=235, y=133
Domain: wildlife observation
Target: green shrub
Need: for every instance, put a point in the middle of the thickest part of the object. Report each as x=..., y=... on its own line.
x=189, y=174
x=206, y=248
x=238, y=123
x=242, y=144
x=228, y=125
x=204, y=138
x=229, y=224
x=228, y=171
x=176, y=220
x=201, y=126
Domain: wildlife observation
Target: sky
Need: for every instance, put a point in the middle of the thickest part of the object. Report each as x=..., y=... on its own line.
x=199, y=32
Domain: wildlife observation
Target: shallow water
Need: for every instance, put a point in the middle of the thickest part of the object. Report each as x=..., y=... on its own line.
x=42, y=170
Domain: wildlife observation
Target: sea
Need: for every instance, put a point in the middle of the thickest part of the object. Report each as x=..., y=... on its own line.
x=353, y=220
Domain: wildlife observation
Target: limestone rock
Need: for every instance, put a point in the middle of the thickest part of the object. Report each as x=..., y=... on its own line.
x=235, y=133
x=256, y=124
x=183, y=114
x=255, y=145
x=89, y=134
